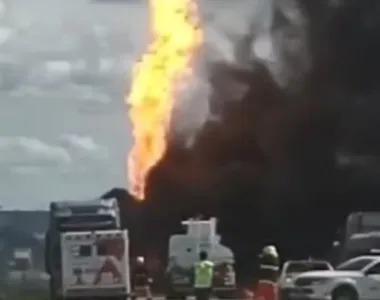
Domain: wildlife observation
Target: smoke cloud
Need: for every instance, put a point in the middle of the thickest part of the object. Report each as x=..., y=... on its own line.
x=290, y=144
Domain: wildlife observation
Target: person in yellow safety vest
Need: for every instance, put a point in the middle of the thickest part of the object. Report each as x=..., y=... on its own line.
x=203, y=277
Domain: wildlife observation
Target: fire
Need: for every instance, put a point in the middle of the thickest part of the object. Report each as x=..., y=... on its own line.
x=176, y=36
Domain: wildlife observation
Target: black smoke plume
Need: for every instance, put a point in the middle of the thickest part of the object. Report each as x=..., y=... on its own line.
x=299, y=149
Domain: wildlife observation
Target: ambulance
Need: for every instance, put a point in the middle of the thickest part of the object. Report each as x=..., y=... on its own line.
x=86, y=251
x=95, y=264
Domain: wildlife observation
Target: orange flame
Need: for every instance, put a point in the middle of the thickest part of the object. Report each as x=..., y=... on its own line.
x=176, y=37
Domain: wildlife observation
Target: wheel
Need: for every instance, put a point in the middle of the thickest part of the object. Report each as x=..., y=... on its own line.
x=345, y=293
x=173, y=296
x=52, y=293
x=227, y=295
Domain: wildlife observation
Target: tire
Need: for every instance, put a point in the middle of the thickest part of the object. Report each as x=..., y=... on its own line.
x=227, y=295
x=52, y=294
x=173, y=296
x=345, y=293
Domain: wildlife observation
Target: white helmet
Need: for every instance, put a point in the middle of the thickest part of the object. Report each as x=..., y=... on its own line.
x=140, y=259
x=270, y=250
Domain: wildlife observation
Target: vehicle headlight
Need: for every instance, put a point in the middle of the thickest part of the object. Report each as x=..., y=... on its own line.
x=103, y=211
x=288, y=280
x=106, y=211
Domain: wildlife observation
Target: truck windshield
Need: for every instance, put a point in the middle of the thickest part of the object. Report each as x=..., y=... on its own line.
x=300, y=267
x=21, y=264
x=80, y=222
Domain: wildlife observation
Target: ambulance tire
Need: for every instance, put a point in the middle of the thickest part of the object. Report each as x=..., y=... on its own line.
x=175, y=297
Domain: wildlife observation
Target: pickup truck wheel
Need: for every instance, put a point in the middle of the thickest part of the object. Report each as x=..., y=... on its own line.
x=345, y=293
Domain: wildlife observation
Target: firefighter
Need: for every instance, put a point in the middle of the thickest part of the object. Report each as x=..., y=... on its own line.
x=269, y=268
x=141, y=280
x=203, y=277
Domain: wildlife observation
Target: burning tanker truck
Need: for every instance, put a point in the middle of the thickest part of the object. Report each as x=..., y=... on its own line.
x=290, y=146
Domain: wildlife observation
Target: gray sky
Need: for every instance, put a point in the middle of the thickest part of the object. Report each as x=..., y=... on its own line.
x=64, y=66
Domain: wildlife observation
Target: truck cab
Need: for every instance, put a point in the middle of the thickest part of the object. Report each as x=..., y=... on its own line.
x=75, y=216
x=359, y=236
x=184, y=251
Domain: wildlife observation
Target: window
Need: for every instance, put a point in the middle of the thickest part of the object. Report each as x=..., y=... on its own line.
x=101, y=249
x=85, y=250
x=374, y=269
x=21, y=264
x=301, y=267
x=354, y=265
x=78, y=223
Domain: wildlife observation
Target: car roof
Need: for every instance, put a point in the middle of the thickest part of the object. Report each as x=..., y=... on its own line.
x=375, y=257
x=306, y=261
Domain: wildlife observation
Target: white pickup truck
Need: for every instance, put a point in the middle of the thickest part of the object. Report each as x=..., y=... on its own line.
x=293, y=268
x=357, y=278
x=95, y=264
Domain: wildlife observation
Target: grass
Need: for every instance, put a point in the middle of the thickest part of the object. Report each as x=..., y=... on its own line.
x=12, y=293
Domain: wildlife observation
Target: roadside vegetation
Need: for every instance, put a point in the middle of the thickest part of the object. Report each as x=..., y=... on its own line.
x=20, y=293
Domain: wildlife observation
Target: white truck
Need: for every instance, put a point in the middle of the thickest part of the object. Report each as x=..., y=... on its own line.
x=95, y=264
x=184, y=251
x=360, y=234
x=357, y=278
x=21, y=264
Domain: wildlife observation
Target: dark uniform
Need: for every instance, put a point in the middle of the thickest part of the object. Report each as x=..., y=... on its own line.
x=140, y=279
x=269, y=266
x=268, y=273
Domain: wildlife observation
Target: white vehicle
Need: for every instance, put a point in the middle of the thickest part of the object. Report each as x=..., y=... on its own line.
x=184, y=251
x=292, y=268
x=357, y=278
x=95, y=264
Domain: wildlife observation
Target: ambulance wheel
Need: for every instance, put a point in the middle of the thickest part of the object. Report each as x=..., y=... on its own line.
x=175, y=297
x=345, y=293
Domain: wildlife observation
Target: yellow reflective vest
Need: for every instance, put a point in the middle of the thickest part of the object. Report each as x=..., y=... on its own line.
x=203, y=274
